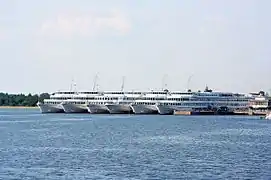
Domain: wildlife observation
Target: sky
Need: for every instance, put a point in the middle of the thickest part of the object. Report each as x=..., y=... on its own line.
x=153, y=44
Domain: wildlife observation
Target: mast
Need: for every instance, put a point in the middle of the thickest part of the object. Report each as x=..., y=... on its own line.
x=122, y=85
x=75, y=88
x=188, y=81
x=164, y=84
x=71, y=86
x=95, y=82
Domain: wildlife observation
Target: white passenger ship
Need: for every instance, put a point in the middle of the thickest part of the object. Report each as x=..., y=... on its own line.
x=113, y=102
x=137, y=102
x=221, y=102
x=78, y=102
x=53, y=105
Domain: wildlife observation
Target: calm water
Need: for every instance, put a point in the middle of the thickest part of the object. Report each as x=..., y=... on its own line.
x=84, y=146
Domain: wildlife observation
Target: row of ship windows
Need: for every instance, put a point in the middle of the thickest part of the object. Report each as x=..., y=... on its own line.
x=110, y=93
x=218, y=99
x=51, y=102
x=132, y=92
x=63, y=93
x=153, y=92
x=201, y=104
x=220, y=95
x=259, y=103
x=173, y=104
x=152, y=99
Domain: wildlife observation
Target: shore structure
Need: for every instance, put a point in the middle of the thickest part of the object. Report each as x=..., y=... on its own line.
x=260, y=105
x=162, y=102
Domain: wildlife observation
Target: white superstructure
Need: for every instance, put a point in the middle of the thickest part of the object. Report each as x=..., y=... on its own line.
x=143, y=102
x=208, y=100
x=147, y=102
x=116, y=102
x=78, y=102
x=58, y=101
x=260, y=101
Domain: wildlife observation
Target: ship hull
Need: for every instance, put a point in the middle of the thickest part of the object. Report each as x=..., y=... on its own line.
x=97, y=109
x=144, y=109
x=50, y=108
x=165, y=109
x=75, y=108
x=119, y=108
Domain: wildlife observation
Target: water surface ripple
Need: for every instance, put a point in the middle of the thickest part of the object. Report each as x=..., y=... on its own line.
x=84, y=146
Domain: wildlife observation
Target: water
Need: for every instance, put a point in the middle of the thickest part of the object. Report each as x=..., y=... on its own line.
x=84, y=146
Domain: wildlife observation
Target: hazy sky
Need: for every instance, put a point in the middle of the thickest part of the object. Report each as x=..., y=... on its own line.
x=223, y=43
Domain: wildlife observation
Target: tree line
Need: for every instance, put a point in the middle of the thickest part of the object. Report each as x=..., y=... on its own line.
x=21, y=99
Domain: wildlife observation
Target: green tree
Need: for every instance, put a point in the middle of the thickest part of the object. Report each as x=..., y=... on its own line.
x=21, y=99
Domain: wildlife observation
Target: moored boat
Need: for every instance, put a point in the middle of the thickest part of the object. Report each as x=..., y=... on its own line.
x=144, y=109
x=164, y=109
x=74, y=107
x=50, y=108
x=97, y=109
x=145, y=102
x=119, y=108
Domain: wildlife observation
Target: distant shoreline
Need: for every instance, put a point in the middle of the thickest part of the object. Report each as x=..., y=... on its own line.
x=19, y=107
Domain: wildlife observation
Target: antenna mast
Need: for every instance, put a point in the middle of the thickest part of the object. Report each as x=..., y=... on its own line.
x=95, y=82
x=188, y=81
x=164, y=84
x=71, y=85
x=75, y=88
x=123, y=80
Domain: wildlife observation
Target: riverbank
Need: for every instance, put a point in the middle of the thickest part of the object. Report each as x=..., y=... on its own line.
x=18, y=107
